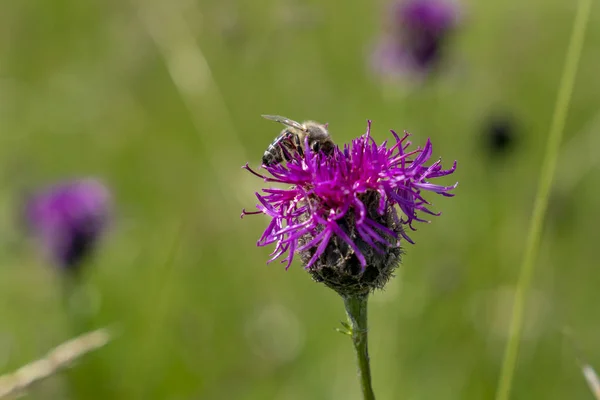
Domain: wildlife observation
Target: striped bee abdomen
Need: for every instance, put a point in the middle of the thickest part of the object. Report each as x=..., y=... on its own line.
x=282, y=148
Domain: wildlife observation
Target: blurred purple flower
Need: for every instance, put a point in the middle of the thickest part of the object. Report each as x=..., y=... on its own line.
x=69, y=218
x=350, y=199
x=418, y=32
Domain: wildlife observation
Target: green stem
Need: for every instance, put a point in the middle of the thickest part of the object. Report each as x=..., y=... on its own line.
x=541, y=201
x=92, y=373
x=356, y=310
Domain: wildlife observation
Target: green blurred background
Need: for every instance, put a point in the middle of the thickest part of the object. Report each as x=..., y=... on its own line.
x=162, y=100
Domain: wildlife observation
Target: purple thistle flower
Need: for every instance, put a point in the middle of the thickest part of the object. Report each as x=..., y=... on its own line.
x=345, y=214
x=69, y=218
x=419, y=31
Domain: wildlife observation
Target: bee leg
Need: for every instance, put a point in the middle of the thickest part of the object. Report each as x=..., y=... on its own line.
x=285, y=154
x=284, y=148
x=298, y=145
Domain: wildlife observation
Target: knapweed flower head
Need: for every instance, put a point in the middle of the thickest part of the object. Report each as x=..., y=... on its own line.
x=418, y=32
x=346, y=214
x=69, y=218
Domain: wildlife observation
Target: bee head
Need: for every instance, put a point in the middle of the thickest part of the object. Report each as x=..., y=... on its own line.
x=318, y=137
x=324, y=145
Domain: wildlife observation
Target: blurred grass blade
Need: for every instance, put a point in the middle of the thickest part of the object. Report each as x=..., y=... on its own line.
x=57, y=359
x=588, y=371
x=592, y=379
x=167, y=27
x=541, y=201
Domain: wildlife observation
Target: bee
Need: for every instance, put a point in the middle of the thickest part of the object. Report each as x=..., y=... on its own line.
x=292, y=140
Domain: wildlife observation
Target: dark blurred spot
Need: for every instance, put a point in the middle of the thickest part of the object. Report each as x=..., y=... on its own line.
x=500, y=135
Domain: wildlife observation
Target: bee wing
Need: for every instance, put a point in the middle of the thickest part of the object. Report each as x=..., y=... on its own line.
x=285, y=121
